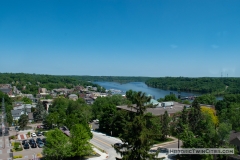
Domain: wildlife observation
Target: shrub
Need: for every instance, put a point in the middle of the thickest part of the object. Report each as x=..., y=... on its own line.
x=16, y=144
x=17, y=156
x=39, y=155
x=18, y=149
x=28, y=133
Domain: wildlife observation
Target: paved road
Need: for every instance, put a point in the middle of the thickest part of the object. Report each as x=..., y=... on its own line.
x=173, y=145
x=5, y=153
x=105, y=142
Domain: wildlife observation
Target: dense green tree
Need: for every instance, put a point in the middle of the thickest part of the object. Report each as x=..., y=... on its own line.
x=165, y=125
x=57, y=146
x=71, y=120
x=39, y=113
x=80, y=141
x=207, y=99
x=138, y=133
x=171, y=97
x=23, y=121
x=223, y=133
x=59, y=105
x=51, y=120
x=141, y=102
x=119, y=120
x=195, y=116
x=9, y=118
x=27, y=100
x=105, y=121
x=204, y=85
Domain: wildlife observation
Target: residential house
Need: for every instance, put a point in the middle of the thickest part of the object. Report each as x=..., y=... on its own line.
x=73, y=97
x=42, y=90
x=47, y=103
x=89, y=100
x=78, y=88
x=30, y=117
x=16, y=114
x=234, y=139
x=7, y=89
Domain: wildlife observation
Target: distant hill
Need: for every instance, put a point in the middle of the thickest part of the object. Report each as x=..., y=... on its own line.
x=214, y=85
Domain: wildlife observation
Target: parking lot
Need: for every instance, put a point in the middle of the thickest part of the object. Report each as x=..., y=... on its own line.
x=31, y=152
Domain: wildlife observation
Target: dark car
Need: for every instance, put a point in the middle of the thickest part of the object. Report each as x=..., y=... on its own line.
x=24, y=141
x=38, y=140
x=31, y=141
x=26, y=146
x=44, y=140
x=40, y=144
x=118, y=145
x=33, y=145
x=162, y=150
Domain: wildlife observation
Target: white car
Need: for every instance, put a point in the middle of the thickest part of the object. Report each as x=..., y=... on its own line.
x=33, y=135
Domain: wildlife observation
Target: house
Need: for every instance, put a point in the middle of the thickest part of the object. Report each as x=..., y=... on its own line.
x=30, y=117
x=154, y=103
x=6, y=88
x=23, y=106
x=42, y=90
x=73, y=97
x=234, y=139
x=89, y=100
x=78, y=88
x=30, y=96
x=47, y=103
x=16, y=114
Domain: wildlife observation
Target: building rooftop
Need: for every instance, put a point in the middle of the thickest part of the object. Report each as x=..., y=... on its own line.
x=159, y=110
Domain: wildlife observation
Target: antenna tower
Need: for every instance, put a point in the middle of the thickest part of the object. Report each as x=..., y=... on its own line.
x=3, y=125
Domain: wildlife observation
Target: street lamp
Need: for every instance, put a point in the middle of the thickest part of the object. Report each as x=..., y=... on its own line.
x=177, y=129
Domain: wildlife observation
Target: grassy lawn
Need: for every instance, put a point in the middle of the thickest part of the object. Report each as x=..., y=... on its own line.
x=159, y=141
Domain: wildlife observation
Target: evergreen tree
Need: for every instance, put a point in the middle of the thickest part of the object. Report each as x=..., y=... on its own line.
x=138, y=136
x=165, y=125
x=23, y=121
x=39, y=113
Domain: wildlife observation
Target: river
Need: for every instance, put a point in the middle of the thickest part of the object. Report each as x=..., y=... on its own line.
x=140, y=86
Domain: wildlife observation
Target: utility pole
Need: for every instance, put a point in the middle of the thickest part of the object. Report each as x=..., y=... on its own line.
x=3, y=125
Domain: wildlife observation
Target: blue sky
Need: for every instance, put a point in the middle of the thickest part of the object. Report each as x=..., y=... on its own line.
x=156, y=38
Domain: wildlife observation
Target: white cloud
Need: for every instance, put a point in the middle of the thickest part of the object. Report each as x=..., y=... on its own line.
x=173, y=46
x=214, y=46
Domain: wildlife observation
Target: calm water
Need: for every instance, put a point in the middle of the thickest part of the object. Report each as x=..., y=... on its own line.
x=140, y=86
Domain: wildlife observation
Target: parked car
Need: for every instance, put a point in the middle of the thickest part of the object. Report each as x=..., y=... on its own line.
x=118, y=145
x=39, y=133
x=38, y=140
x=31, y=141
x=40, y=126
x=33, y=135
x=26, y=146
x=44, y=140
x=162, y=152
x=17, y=128
x=33, y=145
x=40, y=144
x=24, y=141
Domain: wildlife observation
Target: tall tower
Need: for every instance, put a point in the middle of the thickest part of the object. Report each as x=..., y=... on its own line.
x=3, y=116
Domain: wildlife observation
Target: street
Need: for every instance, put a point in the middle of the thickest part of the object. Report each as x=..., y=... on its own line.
x=105, y=142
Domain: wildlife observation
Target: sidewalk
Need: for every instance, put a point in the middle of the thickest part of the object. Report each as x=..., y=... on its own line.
x=175, y=140
x=102, y=157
